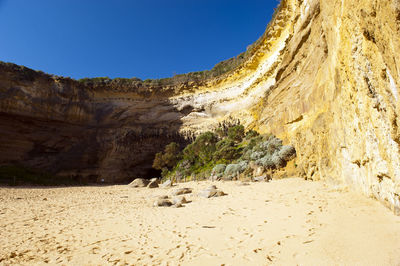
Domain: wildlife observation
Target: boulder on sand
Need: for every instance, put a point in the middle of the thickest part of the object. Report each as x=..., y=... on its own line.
x=177, y=205
x=210, y=192
x=153, y=183
x=263, y=178
x=139, y=182
x=181, y=191
x=162, y=203
x=166, y=184
x=179, y=200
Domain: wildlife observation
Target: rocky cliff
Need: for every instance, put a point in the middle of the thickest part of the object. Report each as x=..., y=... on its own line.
x=83, y=131
x=324, y=77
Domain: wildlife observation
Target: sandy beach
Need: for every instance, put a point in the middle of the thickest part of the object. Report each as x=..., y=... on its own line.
x=283, y=222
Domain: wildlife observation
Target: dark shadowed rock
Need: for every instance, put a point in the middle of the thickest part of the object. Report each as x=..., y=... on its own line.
x=89, y=131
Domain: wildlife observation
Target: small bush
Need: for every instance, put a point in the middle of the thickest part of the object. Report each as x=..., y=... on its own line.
x=167, y=159
x=266, y=162
x=202, y=149
x=254, y=156
x=287, y=153
x=218, y=170
x=226, y=150
x=270, y=146
x=278, y=161
x=233, y=169
x=236, y=133
x=252, y=134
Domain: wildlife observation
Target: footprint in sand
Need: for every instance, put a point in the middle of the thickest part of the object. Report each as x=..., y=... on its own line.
x=270, y=258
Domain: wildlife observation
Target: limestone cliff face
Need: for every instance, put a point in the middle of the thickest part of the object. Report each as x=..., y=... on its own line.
x=66, y=128
x=324, y=77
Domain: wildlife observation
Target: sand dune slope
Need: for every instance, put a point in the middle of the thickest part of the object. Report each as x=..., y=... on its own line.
x=283, y=222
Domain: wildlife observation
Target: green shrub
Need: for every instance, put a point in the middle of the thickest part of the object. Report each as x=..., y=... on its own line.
x=226, y=150
x=266, y=162
x=95, y=80
x=224, y=153
x=167, y=159
x=236, y=133
x=278, y=161
x=232, y=170
x=256, y=155
x=202, y=149
x=269, y=146
x=287, y=153
x=183, y=168
x=251, y=134
x=218, y=170
x=267, y=151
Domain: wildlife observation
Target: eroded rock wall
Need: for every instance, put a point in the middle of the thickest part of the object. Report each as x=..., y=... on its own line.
x=336, y=95
x=324, y=77
x=60, y=126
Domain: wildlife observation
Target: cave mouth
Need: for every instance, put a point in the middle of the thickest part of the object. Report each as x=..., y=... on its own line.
x=152, y=173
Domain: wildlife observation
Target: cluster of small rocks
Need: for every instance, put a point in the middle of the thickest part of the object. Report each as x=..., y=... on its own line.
x=176, y=199
x=165, y=201
x=141, y=182
x=152, y=183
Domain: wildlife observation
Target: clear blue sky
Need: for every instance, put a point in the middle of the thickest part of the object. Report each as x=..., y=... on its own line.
x=128, y=38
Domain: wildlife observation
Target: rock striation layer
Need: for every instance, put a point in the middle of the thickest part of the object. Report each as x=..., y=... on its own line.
x=324, y=77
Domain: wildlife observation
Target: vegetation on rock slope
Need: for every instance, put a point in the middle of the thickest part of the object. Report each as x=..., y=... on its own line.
x=225, y=153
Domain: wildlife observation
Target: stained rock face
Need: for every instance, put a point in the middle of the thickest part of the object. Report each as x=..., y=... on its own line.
x=324, y=77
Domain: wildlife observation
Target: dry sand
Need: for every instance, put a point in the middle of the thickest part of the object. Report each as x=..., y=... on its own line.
x=285, y=222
